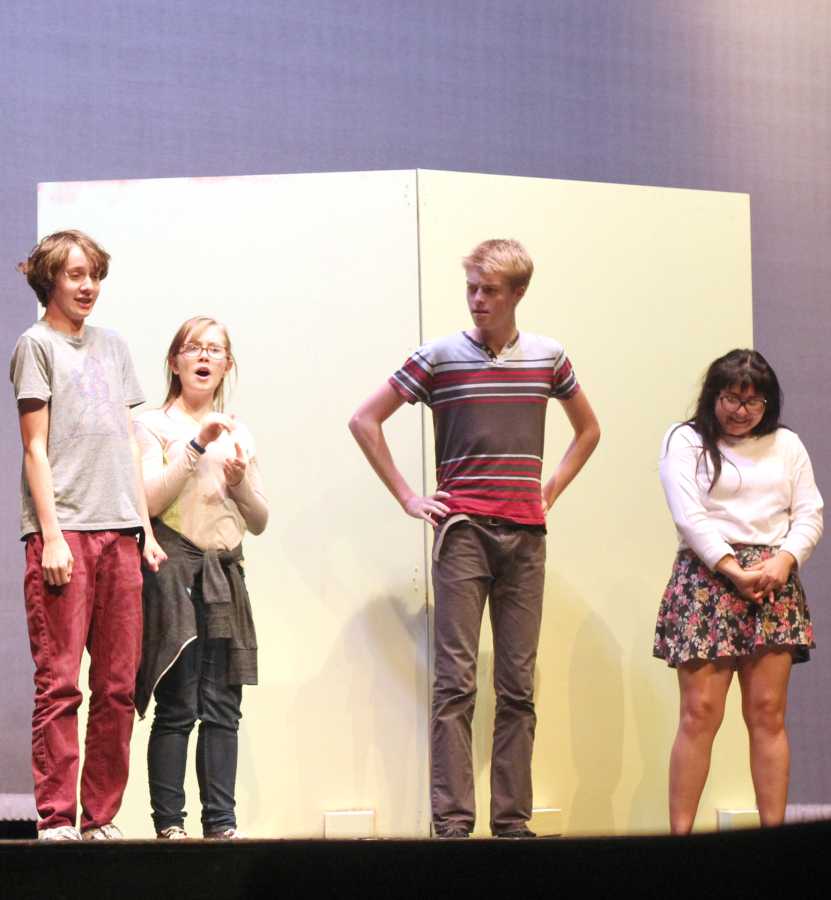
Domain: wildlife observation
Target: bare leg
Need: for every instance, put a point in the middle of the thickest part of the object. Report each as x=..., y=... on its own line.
x=763, y=678
x=703, y=686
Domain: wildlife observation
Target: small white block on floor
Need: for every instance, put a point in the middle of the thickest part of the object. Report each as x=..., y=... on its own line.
x=547, y=821
x=349, y=823
x=732, y=819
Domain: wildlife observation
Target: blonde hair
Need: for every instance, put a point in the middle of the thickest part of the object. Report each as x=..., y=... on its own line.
x=49, y=256
x=501, y=256
x=192, y=329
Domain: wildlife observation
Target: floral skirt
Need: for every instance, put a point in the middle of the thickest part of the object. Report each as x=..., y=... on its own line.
x=703, y=617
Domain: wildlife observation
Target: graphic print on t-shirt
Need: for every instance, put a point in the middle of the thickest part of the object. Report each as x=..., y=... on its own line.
x=98, y=414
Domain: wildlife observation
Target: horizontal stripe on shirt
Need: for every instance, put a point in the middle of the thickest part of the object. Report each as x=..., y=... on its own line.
x=489, y=418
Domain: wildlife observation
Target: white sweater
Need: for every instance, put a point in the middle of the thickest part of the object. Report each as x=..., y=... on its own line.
x=766, y=494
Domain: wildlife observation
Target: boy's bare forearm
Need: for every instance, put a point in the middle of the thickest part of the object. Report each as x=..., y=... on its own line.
x=576, y=456
x=370, y=438
x=39, y=478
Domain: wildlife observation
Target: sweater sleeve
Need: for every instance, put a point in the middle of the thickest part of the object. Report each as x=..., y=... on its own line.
x=806, y=506
x=250, y=499
x=682, y=488
x=162, y=482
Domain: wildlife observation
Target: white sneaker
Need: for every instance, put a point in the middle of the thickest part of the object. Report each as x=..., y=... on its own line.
x=108, y=832
x=60, y=833
x=172, y=833
x=227, y=834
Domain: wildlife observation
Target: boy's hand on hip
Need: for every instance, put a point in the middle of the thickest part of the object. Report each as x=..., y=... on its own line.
x=431, y=509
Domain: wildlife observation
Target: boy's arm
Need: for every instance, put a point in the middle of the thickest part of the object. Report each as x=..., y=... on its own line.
x=586, y=435
x=34, y=432
x=152, y=554
x=366, y=427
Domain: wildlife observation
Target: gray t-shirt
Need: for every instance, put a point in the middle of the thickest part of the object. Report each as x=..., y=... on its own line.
x=89, y=383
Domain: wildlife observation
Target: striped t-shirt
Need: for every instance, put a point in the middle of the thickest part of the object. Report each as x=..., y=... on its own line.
x=489, y=418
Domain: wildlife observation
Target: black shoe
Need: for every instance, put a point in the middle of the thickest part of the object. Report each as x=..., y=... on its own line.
x=517, y=833
x=453, y=834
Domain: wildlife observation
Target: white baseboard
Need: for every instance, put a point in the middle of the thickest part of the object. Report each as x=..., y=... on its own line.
x=807, y=812
x=18, y=807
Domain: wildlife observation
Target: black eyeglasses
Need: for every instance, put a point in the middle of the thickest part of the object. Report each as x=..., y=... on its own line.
x=733, y=403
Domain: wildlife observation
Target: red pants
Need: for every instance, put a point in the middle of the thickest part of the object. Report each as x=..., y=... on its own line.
x=100, y=608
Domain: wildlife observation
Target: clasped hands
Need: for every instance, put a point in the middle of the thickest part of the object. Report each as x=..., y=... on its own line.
x=762, y=579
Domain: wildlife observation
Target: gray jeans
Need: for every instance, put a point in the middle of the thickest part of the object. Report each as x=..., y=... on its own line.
x=476, y=560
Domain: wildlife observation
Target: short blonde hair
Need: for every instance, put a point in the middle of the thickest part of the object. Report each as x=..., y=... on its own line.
x=501, y=256
x=192, y=329
x=49, y=257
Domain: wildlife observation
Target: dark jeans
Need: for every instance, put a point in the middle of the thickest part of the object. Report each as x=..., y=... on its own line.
x=195, y=688
x=483, y=561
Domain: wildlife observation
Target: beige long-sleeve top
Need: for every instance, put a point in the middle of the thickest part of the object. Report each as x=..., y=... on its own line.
x=188, y=491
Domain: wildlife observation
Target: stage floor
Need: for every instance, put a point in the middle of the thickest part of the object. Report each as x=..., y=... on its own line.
x=793, y=859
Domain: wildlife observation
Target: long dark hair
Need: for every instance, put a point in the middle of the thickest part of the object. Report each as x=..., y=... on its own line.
x=737, y=369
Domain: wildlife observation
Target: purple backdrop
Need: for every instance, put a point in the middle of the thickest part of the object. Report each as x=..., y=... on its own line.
x=727, y=96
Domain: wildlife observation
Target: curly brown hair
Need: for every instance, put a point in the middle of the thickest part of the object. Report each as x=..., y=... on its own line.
x=49, y=256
